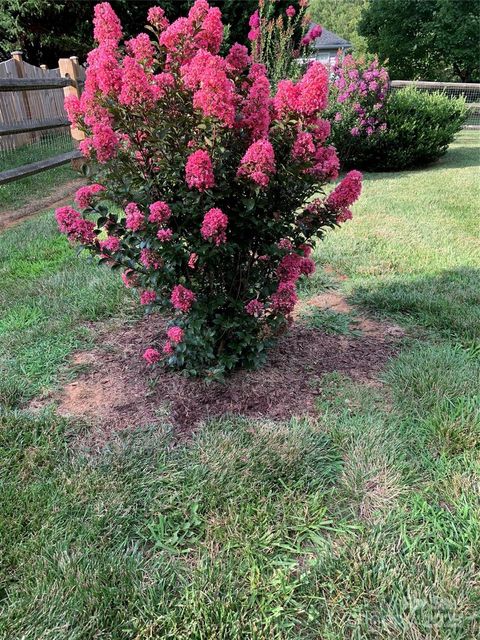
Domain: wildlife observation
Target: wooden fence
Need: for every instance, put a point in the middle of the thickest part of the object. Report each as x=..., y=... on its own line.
x=31, y=105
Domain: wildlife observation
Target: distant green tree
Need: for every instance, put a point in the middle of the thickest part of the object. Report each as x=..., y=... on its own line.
x=46, y=30
x=425, y=39
x=341, y=17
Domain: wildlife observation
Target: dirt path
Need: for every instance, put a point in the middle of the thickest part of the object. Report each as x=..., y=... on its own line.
x=62, y=195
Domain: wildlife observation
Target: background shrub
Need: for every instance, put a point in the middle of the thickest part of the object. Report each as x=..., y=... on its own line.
x=419, y=128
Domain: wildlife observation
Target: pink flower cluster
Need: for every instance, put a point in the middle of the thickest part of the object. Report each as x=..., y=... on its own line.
x=182, y=298
x=160, y=212
x=151, y=356
x=364, y=87
x=307, y=97
x=292, y=266
x=76, y=228
x=148, y=297
x=256, y=106
x=85, y=195
x=175, y=334
x=345, y=194
x=111, y=244
x=254, y=308
x=134, y=217
x=314, y=33
x=214, y=226
x=156, y=17
x=254, y=23
x=258, y=163
x=199, y=171
x=150, y=259
x=285, y=298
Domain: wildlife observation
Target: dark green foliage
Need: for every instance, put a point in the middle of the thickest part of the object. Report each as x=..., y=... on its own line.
x=420, y=127
x=425, y=39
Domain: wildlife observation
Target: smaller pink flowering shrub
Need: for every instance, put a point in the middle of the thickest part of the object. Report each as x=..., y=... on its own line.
x=358, y=106
x=219, y=179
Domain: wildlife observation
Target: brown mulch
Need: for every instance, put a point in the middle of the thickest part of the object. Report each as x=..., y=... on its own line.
x=60, y=196
x=116, y=390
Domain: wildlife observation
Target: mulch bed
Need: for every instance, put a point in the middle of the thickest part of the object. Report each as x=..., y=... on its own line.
x=116, y=390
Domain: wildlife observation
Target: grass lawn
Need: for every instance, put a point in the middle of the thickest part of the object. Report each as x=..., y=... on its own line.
x=363, y=523
x=15, y=194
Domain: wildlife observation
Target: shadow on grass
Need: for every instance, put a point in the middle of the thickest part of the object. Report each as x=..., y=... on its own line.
x=448, y=302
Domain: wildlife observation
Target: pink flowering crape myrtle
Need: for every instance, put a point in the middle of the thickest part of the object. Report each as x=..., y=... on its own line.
x=216, y=181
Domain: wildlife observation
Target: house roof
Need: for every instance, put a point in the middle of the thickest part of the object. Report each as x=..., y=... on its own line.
x=330, y=40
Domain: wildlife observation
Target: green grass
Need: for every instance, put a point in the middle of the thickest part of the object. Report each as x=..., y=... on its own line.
x=18, y=193
x=362, y=523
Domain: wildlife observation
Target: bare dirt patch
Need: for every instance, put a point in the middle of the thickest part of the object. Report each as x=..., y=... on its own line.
x=60, y=196
x=116, y=390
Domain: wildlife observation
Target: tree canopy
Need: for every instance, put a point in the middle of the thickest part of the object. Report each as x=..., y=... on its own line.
x=425, y=39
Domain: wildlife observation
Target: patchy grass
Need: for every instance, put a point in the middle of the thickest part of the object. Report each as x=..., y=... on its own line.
x=362, y=523
x=16, y=194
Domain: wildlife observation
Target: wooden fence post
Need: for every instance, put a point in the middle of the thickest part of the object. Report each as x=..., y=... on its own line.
x=69, y=68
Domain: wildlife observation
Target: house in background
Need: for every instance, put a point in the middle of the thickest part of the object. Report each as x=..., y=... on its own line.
x=325, y=48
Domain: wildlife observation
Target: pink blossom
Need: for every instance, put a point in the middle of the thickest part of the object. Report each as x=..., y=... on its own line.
x=255, y=110
x=182, y=298
x=106, y=24
x=111, y=244
x=192, y=260
x=134, y=217
x=313, y=88
x=71, y=223
x=306, y=249
x=315, y=31
x=285, y=298
x=211, y=34
x=199, y=171
x=303, y=148
x=150, y=259
x=307, y=266
x=258, y=163
x=214, y=226
x=148, y=297
x=84, y=195
x=253, y=34
x=237, y=58
x=104, y=71
x=355, y=131
x=347, y=192
x=338, y=117
x=137, y=88
x=156, y=17
x=160, y=212
x=287, y=97
x=167, y=348
x=141, y=49
x=214, y=93
x=290, y=11
x=321, y=130
x=285, y=243
x=344, y=215
x=165, y=235
x=105, y=142
x=178, y=40
x=151, y=356
x=175, y=334
x=254, y=307
x=254, y=20
x=289, y=268
x=73, y=108
x=327, y=164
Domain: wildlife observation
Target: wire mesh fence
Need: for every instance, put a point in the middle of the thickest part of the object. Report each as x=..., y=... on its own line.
x=469, y=91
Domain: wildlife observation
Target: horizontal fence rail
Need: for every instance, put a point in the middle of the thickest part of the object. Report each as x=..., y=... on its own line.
x=34, y=84
x=39, y=125
x=37, y=167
